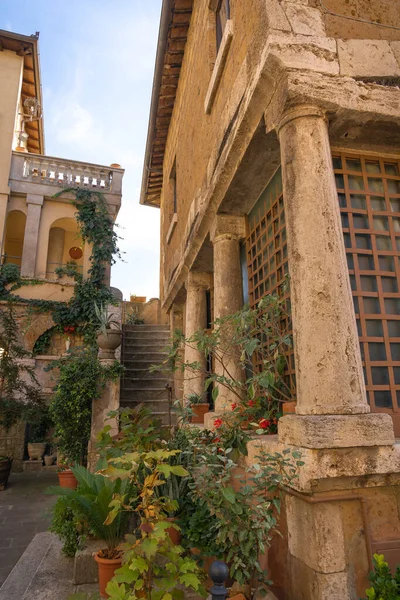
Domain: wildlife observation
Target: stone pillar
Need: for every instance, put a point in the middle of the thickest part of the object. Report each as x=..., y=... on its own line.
x=328, y=362
x=31, y=238
x=108, y=402
x=196, y=318
x=226, y=233
x=56, y=250
x=176, y=323
x=344, y=448
x=3, y=219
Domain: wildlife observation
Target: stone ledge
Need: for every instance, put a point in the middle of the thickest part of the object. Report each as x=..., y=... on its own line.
x=336, y=431
x=329, y=469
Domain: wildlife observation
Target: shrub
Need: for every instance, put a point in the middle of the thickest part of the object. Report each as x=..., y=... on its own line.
x=68, y=525
x=385, y=586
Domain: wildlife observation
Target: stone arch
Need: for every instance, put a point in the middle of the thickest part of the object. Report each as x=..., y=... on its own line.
x=40, y=323
x=65, y=245
x=14, y=237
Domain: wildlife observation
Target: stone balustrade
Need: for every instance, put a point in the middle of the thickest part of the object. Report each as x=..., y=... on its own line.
x=64, y=173
x=36, y=173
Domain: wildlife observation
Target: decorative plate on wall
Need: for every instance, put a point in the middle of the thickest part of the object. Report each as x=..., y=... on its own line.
x=75, y=252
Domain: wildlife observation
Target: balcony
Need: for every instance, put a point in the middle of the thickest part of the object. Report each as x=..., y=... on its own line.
x=46, y=175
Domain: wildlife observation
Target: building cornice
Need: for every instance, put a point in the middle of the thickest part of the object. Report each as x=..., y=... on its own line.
x=172, y=37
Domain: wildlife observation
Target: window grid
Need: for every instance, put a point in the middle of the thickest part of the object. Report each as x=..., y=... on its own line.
x=369, y=199
x=267, y=259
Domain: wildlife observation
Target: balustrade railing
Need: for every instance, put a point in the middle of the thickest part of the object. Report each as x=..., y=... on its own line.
x=66, y=174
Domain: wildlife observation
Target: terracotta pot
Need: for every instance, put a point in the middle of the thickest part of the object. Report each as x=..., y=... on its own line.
x=199, y=410
x=67, y=479
x=107, y=568
x=174, y=534
x=5, y=469
x=36, y=450
x=109, y=343
x=289, y=408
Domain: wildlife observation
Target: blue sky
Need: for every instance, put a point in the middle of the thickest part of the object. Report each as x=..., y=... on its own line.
x=97, y=63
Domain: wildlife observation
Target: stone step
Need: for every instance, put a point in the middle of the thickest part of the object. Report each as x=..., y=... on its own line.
x=153, y=405
x=146, y=382
x=160, y=415
x=143, y=394
x=145, y=373
x=147, y=333
x=145, y=327
x=150, y=357
x=151, y=344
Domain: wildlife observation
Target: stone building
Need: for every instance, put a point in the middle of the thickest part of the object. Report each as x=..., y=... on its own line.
x=38, y=231
x=274, y=147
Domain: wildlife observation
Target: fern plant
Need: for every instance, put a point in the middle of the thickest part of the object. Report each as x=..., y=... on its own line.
x=93, y=498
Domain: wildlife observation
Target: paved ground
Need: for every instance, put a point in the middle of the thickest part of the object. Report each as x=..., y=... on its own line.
x=24, y=512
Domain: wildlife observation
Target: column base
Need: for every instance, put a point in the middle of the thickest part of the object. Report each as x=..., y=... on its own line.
x=336, y=431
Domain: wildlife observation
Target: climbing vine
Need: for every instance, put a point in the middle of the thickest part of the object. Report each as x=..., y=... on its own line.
x=96, y=228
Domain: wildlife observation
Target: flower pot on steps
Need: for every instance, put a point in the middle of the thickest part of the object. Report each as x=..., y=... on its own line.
x=107, y=568
x=67, y=479
x=36, y=450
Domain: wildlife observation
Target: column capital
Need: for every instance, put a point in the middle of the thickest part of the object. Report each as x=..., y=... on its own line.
x=228, y=227
x=34, y=199
x=298, y=112
x=198, y=280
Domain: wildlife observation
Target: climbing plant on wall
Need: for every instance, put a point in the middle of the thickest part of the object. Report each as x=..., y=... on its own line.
x=97, y=229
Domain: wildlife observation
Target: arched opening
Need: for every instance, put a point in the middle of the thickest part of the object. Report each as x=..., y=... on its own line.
x=14, y=238
x=65, y=247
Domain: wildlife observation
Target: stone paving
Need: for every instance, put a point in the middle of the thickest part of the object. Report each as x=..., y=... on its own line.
x=24, y=512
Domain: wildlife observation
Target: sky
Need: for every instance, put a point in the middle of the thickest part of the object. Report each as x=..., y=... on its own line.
x=97, y=64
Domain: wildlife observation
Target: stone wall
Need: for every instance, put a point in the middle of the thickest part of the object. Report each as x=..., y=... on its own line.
x=381, y=11
x=151, y=312
x=12, y=443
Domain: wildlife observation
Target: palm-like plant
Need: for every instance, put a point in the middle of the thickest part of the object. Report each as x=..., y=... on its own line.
x=105, y=320
x=93, y=496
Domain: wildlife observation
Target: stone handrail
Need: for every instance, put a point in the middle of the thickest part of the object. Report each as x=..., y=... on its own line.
x=66, y=173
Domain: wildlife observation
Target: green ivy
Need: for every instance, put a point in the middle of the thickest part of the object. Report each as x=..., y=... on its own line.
x=96, y=228
x=81, y=380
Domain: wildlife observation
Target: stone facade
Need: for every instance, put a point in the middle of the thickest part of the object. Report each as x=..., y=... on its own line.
x=292, y=83
x=38, y=227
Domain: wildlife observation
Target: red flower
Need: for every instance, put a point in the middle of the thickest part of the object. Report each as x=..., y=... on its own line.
x=252, y=403
x=269, y=398
x=234, y=405
x=264, y=423
x=217, y=439
x=217, y=423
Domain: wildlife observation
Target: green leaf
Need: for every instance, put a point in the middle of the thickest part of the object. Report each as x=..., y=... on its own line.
x=229, y=494
x=215, y=393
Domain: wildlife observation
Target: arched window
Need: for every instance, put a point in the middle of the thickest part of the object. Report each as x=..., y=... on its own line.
x=65, y=246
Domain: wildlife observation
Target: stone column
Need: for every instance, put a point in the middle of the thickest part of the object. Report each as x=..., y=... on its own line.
x=328, y=363
x=108, y=402
x=176, y=323
x=31, y=238
x=226, y=233
x=56, y=250
x=3, y=219
x=196, y=318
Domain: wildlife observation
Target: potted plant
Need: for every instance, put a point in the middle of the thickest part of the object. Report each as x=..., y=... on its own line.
x=198, y=406
x=92, y=498
x=109, y=332
x=39, y=423
x=153, y=565
x=5, y=470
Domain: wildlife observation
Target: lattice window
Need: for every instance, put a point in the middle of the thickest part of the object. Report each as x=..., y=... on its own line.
x=369, y=198
x=267, y=258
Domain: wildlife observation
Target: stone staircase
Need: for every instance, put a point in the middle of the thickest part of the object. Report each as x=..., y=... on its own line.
x=143, y=346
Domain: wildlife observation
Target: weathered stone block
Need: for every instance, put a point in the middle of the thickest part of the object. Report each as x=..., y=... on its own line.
x=276, y=16
x=395, y=46
x=316, y=534
x=305, y=52
x=336, y=431
x=85, y=567
x=367, y=58
x=304, y=19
